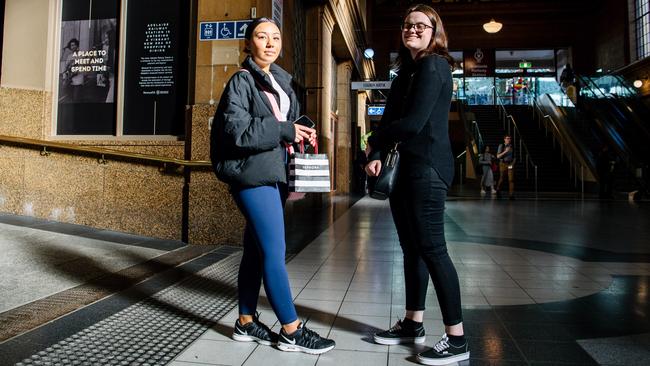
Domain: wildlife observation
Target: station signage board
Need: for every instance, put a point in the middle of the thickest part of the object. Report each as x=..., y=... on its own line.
x=368, y=85
x=479, y=62
x=230, y=30
x=376, y=110
x=525, y=65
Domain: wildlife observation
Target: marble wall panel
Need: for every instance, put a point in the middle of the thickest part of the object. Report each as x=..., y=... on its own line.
x=200, y=132
x=21, y=112
x=62, y=188
x=11, y=182
x=214, y=217
x=140, y=199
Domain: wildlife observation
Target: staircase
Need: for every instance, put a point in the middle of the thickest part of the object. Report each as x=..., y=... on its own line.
x=552, y=168
x=487, y=118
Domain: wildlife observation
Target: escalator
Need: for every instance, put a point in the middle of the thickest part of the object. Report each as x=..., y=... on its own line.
x=620, y=122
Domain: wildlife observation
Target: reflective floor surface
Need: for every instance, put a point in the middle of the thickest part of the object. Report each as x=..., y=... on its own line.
x=543, y=283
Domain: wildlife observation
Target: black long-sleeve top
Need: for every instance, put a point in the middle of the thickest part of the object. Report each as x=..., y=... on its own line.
x=418, y=117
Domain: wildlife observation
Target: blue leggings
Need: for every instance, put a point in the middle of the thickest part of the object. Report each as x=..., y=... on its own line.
x=264, y=247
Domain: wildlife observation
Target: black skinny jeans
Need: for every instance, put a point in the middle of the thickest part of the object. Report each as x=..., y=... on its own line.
x=418, y=204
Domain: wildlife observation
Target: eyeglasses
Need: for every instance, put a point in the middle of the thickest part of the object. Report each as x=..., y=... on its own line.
x=419, y=27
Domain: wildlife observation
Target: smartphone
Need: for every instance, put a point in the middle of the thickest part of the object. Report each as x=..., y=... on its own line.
x=305, y=121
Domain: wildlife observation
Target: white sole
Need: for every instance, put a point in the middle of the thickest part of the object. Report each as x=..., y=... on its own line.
x=247, y=338
x=403, y=340
x=294, y=348
x=443, y=361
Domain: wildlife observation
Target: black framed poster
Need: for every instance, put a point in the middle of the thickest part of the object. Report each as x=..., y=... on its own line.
x=87, y=67
x=155, y=68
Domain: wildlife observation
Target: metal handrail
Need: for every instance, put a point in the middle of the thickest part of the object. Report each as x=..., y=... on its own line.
x=522, y=145
x=476, y=131
x=102, y=152
x=574, y=162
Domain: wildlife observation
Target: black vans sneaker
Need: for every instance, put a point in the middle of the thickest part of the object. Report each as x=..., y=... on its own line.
x=304, y=340
x=444, y=353
x=255, y=331
x=400, y=334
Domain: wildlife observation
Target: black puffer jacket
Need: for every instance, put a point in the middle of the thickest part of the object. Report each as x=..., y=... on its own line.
x=247, y=141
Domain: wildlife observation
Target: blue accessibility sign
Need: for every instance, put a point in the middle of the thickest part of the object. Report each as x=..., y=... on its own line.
x=211, y=31
x=208, y=31
x=226, y=30
x=241, y=26
x=376, y=110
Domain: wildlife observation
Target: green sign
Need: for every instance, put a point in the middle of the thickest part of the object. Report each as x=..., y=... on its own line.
x=525, y=65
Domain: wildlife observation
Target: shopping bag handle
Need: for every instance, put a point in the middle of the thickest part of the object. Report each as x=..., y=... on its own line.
x=302, y=147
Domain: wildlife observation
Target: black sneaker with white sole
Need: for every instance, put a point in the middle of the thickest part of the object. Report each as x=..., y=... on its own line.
x=444, y=353
x=255, y=331
x=401, y=334
x=304, y=340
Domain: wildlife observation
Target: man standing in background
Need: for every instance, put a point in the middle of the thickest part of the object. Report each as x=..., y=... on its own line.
x=506, y=156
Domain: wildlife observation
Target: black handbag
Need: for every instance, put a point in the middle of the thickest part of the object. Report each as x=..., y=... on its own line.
x=383, y=185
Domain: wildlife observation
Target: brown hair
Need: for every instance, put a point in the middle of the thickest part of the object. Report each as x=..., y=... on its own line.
x=438, y=44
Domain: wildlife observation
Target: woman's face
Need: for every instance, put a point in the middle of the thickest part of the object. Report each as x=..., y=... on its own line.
x=417, y=40
x=265, y=44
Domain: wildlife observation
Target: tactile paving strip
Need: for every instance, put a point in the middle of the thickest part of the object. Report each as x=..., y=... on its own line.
x=155, y=330
x=34, y=314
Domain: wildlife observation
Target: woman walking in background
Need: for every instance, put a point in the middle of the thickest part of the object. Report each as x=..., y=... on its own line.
x=486, y=161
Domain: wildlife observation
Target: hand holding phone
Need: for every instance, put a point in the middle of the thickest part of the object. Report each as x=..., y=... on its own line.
x=305, y=130
x=305, y=121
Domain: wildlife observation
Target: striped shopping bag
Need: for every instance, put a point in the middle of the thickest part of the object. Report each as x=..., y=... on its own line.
x=309, y=172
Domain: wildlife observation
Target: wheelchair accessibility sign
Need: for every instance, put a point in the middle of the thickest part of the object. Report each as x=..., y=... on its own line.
x=212, y=31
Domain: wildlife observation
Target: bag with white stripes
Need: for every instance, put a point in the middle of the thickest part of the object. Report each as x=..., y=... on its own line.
x=309, y=172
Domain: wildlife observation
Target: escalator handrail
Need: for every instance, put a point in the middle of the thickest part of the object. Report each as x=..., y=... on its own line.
x=618, y=115
x=574, y=151
x=629, y=158
x=468, y=132
x=631, y=89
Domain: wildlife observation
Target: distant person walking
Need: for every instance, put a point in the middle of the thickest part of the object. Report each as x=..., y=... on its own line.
x=506, y=156
x=486, y=161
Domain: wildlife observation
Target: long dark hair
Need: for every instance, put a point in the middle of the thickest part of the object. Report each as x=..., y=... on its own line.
x=437, y=46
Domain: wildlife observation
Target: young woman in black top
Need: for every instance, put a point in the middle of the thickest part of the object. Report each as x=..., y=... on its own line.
x=416, y=116
x=252, y=127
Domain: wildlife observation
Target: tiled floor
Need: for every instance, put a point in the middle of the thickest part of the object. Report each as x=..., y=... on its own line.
x=543, y=283
x=521, y=306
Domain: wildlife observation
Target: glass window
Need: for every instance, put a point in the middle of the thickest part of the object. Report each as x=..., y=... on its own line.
x=479, y=90
x=458, y=88
x=524, y=61
x=642, y=28
x=458, y=62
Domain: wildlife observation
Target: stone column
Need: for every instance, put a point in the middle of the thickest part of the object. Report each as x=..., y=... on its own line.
x=344, y=127
x=326, y=130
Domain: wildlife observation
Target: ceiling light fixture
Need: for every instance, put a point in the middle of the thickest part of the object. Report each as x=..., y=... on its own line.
x=638, y=83
x=492, y=26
